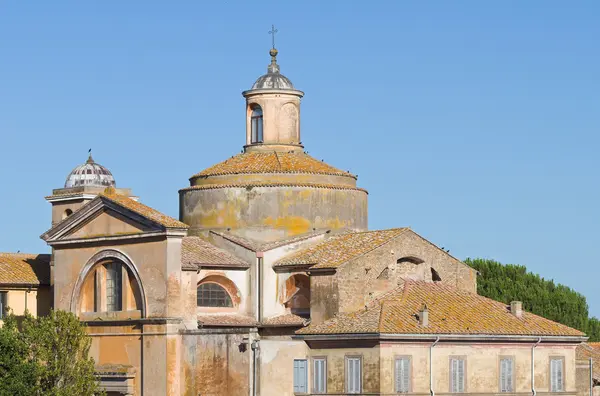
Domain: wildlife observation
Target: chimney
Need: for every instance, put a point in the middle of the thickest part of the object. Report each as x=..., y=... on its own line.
x=516, y=308
x=424, y=316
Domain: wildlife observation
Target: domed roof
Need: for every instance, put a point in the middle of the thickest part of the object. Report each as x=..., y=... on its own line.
x=273, y=79
x=90, y=174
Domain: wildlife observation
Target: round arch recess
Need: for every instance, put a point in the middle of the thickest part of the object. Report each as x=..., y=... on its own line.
x=226, y=284
x=98, y=258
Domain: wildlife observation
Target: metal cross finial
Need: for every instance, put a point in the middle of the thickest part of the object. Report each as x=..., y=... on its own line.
x=272, y=32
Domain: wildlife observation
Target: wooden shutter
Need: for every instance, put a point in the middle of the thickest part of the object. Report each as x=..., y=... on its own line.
x=556, y=375
x=300, y=376
x=402, y=375
x=319, y=376
x=457, y=375
x=506, y=375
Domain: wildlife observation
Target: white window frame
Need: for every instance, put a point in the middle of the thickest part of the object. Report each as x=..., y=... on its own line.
x=316, y=375
x=296, y=378
x=455, y=384
x=355, y=386
x=554, y=382
x=398, y=381
x=506, y=380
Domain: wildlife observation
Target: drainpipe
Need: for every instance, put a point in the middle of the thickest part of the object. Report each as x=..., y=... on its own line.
x=533, y=391
x=255, y=349
x=257, y=286
x=591, y=377
x=431, y=392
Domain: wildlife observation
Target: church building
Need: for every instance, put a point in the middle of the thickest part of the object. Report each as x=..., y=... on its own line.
x=270, y=283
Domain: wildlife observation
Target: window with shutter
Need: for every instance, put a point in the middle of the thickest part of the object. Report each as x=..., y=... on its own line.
x=506, y=374
x=402, y=374
x=457, y=375
x=353, y=375
x=3, y=304
x=319, y=375
x=300, y=376
x=556, y=375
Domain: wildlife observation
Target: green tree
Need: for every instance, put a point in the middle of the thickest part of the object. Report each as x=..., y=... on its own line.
x=46, y=356
x=542, y=297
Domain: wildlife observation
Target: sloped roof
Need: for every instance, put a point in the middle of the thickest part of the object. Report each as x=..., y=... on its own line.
x=195, y=251
x=141, y=209
x=223, y=320
x=451, y=311
x=339, y=249
x=258, y=246
x=285, y=320
x=24, y=269
x=271, y=162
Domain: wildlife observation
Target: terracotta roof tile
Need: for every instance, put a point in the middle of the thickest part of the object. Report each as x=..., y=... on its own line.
x=141, y=209
x=285, y=320
x=258, y=246
x=272, y=184
x=24, y=269
x=220, y=320
x=197, y=252
x=451, y=311
x=271, y=162
x=339, y=249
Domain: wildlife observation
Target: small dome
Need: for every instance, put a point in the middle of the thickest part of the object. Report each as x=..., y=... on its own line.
x=90, y=174
x=273, y=79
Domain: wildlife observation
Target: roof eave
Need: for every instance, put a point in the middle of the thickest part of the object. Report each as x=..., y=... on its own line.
x=443, y=337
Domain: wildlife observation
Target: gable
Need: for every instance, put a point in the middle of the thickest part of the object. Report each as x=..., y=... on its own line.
x=108, y=223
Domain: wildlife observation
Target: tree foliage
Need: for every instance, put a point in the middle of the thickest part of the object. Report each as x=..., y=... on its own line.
x=46, y=356
x=542, y=297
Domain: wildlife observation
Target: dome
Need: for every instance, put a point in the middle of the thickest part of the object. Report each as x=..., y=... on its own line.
x=90, y=174
x=273, y=79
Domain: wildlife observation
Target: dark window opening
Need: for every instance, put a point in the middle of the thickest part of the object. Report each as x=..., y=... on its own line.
x=213, y=295
x=435, y=276
x=256, y=125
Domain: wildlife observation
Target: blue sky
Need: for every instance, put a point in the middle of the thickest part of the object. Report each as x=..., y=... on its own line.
x=475, y=123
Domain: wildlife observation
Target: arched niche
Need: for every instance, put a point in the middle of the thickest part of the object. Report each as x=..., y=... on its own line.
x=296, y=295
x=109, y=283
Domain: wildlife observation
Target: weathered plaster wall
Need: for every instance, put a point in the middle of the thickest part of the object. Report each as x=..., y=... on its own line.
x=324, y=297
x=241, y=295
x=276, y=361
x=270, y=213
x=216, y=364
x=19, y=300
x=281, y=117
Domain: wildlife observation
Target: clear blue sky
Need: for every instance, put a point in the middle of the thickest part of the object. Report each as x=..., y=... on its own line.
x=475, y=123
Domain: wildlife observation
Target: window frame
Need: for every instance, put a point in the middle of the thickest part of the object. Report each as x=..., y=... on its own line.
x=314, y=374
x=513, y=373
x=294, y=378
x=116, y=268
x=348, y=358
x=256, y=125
x=462, y=358
x=410, y=373
x=563, y=370
x=3, y=303
x=223, y=288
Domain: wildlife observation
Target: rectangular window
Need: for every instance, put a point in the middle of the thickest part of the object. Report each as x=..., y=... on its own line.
x=457, y=375
x=3, y=304
x=557, y=379
x=402, y=374
x=319, y=375
x=113, y=287
x=507, y=372
x=300, y=376
x=353, y=375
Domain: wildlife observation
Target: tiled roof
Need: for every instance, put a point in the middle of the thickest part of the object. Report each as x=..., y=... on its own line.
x=285, y=320
x=141, y=209
x=590, y=350
x=451, y=311
x=271, y=162
x=339, y=249
x=24, y=269
x=195, y=251
x=221, y=320
x=273, y=184
x=257, y=246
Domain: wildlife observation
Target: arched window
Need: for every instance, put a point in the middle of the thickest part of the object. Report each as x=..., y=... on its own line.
x=114, y=291
x=213, y=295
x=256, y=124
x=67, y=213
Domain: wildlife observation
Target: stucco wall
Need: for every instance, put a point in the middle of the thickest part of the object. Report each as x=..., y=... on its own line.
x=270, y=213
x=276, y=360
x=36, y=301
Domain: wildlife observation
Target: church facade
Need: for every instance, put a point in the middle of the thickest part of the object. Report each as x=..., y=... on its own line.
x=270, y=283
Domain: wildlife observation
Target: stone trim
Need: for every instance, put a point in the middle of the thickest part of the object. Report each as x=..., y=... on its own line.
x=271, y=184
